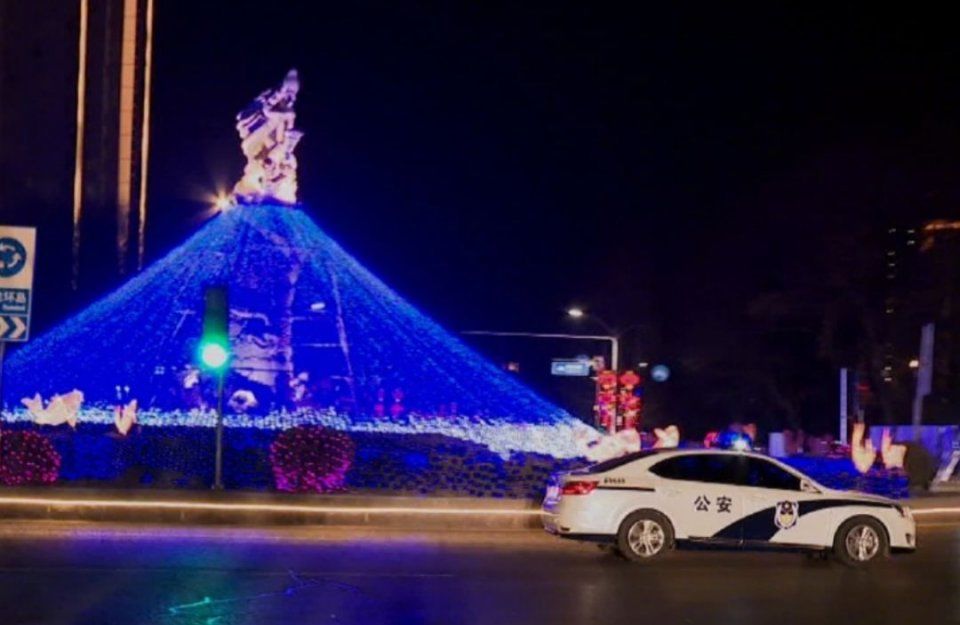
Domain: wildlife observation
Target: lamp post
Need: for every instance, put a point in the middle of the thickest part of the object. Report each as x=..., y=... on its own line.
x=613, y=337
x=614, y=349
x=546, y=335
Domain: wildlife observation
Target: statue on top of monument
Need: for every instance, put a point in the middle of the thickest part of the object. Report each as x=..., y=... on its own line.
x=267, y=138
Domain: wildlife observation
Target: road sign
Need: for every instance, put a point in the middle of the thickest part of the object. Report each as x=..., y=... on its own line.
x=570, y=367
x=17, y=247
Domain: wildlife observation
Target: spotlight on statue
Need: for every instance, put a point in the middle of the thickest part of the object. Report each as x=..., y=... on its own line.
x=223, y=202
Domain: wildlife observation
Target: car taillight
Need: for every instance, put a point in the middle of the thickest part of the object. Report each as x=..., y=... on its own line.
x=579, y=487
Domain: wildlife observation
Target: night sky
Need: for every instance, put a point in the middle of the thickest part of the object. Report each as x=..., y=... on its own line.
x=498, y=164
x=659, y=166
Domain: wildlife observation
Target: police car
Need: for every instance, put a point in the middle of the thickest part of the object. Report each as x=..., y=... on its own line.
x=647, y=502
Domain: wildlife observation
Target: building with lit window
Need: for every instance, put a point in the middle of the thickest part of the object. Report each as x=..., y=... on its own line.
x=900, y=269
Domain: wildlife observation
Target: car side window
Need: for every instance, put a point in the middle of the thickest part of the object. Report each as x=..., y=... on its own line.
x=763, y=474
x=724, y=468
x=711, y=468
x=678, y=468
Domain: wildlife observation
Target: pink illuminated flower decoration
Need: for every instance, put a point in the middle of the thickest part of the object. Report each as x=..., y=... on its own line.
x=311, y=459
x=27, y=458
x=397, y=409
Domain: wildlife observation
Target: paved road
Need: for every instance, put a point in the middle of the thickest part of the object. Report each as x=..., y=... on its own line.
x=227, y=577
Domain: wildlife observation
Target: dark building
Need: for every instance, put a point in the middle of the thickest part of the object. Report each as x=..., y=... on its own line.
x=921, y=272
x=939, y=297
x=74, y=134
x=901, y=317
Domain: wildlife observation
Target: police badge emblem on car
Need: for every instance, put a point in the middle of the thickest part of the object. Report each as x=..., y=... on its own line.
x=786, y=514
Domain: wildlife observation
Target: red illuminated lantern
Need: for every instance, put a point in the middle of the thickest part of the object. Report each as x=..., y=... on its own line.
x=607, y=379
x=629, y=403
x=606, y=406
x=630, y=379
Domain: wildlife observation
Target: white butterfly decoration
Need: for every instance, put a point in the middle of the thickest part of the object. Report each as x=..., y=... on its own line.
x=598, y=447
x=124, y=417
x=891, y=454
x=60, y=409
x=667, y=437
x=862, y=452
x=242, y=400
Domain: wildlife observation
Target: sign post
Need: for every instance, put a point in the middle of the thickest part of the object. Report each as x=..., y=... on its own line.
x=17, y=249
x=924, y=376
x=844, y=388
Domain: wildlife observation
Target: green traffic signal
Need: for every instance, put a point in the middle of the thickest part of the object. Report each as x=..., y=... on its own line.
x=214, y=355
x=214, y=350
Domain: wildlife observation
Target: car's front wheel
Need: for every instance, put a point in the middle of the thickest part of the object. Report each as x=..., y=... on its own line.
x=861, y=541
x=645, y=535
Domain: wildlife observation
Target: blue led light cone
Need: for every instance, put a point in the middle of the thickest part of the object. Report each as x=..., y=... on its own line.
x=309, y=327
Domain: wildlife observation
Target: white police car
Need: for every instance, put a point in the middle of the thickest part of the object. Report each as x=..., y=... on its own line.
x=649, y=501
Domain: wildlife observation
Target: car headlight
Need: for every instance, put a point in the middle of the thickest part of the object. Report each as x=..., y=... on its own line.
x=904, y=511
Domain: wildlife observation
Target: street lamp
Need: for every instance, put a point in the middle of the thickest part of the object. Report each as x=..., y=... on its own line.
x=545, y=335
x=579, y=313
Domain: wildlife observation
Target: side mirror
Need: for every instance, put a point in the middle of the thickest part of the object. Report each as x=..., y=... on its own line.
x=807, y=487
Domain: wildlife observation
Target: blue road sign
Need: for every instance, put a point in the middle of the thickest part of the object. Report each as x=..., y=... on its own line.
x=17, y=246
x=570, y=367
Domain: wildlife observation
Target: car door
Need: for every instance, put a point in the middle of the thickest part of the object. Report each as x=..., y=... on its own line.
x=774, y=501
x=699, y=493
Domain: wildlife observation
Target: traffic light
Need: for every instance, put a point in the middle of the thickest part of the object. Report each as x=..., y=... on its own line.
x=214, y=350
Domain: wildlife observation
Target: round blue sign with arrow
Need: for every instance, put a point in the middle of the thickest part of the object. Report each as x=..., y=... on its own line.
x=13, y=257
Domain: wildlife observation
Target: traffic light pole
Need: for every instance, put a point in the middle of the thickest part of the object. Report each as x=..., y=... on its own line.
x=218, y=468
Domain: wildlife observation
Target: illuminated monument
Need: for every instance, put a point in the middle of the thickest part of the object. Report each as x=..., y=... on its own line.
x=316, y=338
x=268, y=139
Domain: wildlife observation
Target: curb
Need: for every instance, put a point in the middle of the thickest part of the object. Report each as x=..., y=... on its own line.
x=267, y=509
x=96, y=530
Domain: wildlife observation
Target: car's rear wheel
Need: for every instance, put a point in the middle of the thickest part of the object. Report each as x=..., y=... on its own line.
x=645, y=535
x=861, y=541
